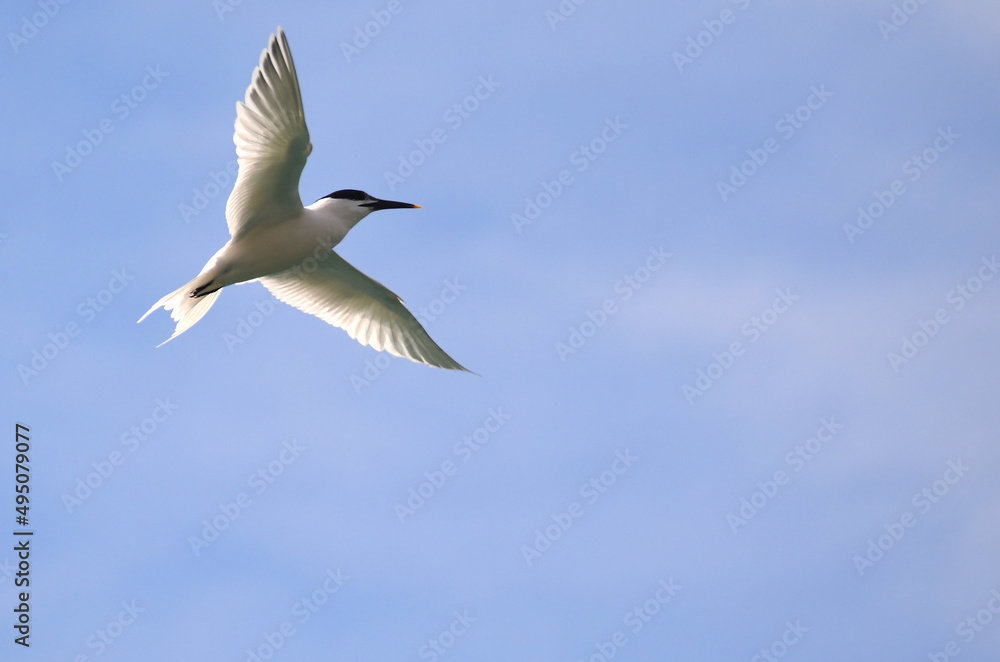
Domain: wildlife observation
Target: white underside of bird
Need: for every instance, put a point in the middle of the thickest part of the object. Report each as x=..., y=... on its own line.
x=288, y=246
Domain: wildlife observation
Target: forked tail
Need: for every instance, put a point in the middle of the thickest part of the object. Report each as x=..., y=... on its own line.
x=184, y=309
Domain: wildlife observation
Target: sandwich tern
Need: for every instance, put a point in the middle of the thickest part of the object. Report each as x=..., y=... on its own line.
x=287, y=246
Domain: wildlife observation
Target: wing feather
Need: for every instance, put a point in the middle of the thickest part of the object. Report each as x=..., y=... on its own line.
x=272, y=143
x=340, y=295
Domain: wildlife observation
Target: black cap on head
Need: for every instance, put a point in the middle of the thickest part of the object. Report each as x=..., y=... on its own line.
x=350, y=194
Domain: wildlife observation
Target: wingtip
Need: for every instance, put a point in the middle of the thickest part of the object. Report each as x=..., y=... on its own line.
x=455, y=365
x=156, y=307
x=166, y=341
x=279, y=38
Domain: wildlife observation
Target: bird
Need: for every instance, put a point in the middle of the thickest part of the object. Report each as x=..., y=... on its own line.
x=288, y=247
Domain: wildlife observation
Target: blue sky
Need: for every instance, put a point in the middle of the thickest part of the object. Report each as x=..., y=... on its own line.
x=776, y=429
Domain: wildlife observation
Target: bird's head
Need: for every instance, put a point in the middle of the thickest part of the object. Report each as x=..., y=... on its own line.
x=353, y=205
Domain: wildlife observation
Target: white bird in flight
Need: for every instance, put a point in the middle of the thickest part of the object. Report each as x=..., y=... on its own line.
x=287, y=246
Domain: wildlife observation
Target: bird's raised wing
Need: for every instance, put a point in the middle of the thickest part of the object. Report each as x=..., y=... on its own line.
x=272, y=143
x=341, y=295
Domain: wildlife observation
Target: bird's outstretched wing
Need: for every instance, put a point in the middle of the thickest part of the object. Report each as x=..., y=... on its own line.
x=341, y=295
x=272, y=143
